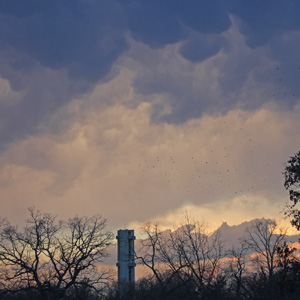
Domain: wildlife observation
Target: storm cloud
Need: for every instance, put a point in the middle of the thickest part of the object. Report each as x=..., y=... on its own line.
x=151, y=106
x=53, y=51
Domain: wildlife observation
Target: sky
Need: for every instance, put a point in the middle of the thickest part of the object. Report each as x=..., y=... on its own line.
x=146, y=110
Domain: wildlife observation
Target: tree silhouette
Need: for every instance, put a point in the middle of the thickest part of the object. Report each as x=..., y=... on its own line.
x=186, y=259
x=49, y=255
x=292, y=184
x=263, y=238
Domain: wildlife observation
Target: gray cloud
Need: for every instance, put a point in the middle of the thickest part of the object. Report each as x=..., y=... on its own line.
x=53, y=51
x=262, y=20
x=86, y=37
x=207, y=45
x=83, y=37
x=158, y=23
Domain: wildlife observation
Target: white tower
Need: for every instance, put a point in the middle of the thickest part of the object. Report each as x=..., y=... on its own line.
x=126, y=264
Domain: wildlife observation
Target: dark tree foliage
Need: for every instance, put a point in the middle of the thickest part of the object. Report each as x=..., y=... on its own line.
x=289, y=271
x=292, y=184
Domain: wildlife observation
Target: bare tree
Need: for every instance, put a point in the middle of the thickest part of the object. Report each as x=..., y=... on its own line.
x=187, y=254
x=199, y=253
x=48, y=254
x=160, y=258
x=238, y=269
x=264, y=238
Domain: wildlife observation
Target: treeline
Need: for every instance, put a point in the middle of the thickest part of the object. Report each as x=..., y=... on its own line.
x=189, y=263
x=52, y=259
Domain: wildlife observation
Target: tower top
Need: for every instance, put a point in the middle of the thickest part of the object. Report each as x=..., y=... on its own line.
x=125, y=234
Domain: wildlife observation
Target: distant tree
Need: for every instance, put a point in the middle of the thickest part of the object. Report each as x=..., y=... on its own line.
x=201, y=254
x=185, y=259
x=264, y=238
x=189, y=263
x=48, y=255
x=238, y=269
x=292, y=184
x=162, y=261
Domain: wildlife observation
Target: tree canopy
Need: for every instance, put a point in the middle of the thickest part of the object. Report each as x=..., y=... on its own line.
x=292, y=184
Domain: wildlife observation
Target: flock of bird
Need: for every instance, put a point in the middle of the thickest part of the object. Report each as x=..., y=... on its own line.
x=210, y=172
x=205, y=171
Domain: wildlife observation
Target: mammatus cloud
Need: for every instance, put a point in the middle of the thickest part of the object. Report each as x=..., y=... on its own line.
x=112, y=159
x=236, y=77
x=53, y=52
